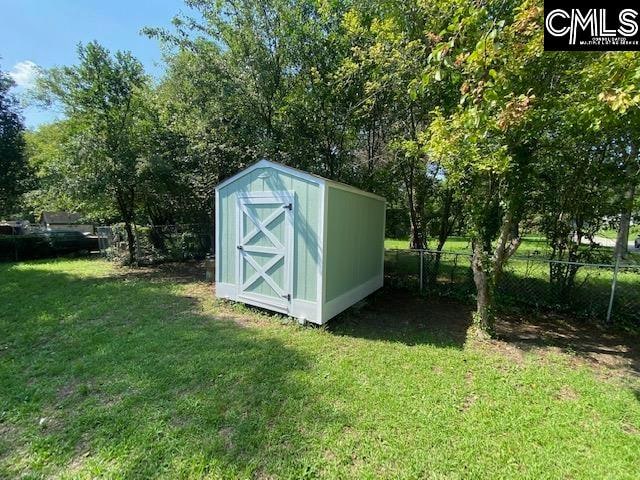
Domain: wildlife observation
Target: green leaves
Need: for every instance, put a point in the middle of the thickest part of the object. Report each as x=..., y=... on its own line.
x=100, y=142
x=15, y=177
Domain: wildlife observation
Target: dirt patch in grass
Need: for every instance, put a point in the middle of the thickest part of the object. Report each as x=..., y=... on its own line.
x=468, y=403
x=262, y=475
x=66, y=391
x=226, y=434
x=81, y=452
x=9, y=434
x=510, y=351
x=630, y=429
x=567, y=393
x=397, y=315
x=612, y=353
x=186, y=272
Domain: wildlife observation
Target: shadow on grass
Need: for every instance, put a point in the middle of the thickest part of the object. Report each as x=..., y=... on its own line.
x=613, y=350
x=399, y=316
x=130, y=378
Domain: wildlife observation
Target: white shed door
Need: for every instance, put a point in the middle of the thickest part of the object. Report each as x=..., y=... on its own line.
x=265, y=246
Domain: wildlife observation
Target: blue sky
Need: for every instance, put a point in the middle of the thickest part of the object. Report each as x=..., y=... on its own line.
x=46, y=33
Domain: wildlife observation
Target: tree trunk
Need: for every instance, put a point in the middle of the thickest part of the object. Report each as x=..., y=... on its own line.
x=508, y=242
x=483, y=320
x=632, y=171
x=416, y=241
x=444, y=230
x=622, y=240
x=131, y=242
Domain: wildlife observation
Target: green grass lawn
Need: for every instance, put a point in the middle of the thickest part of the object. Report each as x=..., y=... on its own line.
x=612, y=234
x=530, y=244
x=105, y=373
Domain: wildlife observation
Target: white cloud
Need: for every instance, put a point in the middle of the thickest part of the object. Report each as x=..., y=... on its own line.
x=24, y=73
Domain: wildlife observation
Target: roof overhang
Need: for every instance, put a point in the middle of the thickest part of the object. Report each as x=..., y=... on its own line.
x=318, y=180
x=276, y=166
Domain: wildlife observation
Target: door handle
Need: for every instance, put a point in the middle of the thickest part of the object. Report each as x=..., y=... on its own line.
x=239, y=247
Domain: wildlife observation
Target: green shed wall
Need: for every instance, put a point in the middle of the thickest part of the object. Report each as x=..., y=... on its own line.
x=354, y=241
x=307, y=220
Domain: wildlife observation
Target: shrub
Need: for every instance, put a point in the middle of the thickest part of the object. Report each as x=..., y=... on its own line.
x=24, y=247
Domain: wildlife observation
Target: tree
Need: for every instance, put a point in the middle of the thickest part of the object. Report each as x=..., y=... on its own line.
x=486, y=145
x=260, y=78
x=610, y=102
x=103, y=100
x=14, y=173
x=389, y=50
x=577, y=180
x=49, y=149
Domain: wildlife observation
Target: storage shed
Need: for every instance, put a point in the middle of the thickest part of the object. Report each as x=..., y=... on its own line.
x=297, y=243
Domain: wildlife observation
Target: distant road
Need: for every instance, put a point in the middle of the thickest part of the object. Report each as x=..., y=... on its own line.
x=607, y=242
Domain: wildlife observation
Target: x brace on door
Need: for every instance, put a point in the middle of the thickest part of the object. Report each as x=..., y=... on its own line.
x=262, y=227
x=261, y=272
x=278, y=250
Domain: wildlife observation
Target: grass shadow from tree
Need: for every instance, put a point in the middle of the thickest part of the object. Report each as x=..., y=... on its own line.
x=91, y=386
x=398, y=316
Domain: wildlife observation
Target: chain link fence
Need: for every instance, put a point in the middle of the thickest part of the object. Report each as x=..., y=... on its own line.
x=605, y=292
x=156, y=243
x=609, y=293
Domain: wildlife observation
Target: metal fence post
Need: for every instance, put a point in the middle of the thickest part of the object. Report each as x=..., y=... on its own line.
x=421, y=268
x=136, y=238
x=613, y=288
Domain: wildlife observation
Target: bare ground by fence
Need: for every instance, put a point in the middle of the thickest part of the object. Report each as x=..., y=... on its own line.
x=603, y=292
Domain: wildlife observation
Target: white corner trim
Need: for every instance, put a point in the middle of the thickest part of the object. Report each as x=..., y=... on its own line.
x=217, y=238
x=322, y=248
x=227, y=291
x=305, y=310
x=347, y=299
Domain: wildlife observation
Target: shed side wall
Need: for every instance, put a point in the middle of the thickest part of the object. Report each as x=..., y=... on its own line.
x=355, y=242
x=307, y=250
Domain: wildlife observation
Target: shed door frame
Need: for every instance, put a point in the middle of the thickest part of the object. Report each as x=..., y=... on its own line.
x=279, y=250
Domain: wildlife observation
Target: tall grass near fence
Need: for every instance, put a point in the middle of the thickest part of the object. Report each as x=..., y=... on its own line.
x=595, y=291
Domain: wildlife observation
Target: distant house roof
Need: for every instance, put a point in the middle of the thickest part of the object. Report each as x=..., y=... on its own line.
x=59, y=218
